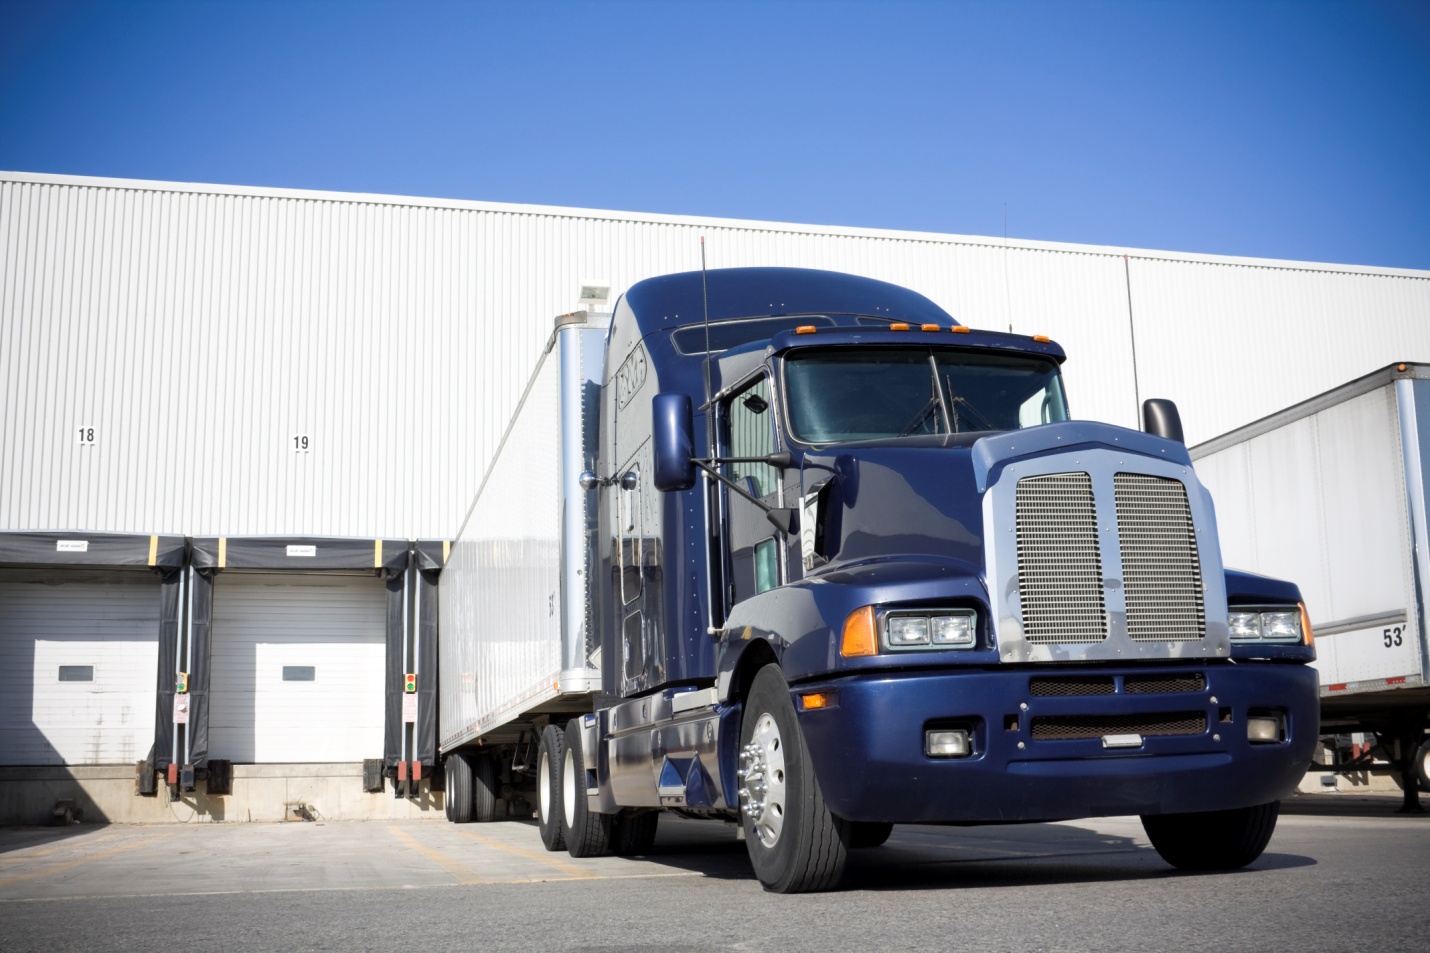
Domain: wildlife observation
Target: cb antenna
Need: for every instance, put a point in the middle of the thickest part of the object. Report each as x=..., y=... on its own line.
x=709, y=410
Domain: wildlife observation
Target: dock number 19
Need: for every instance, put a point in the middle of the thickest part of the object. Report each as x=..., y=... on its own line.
x=1392, y=636
x=300, y=443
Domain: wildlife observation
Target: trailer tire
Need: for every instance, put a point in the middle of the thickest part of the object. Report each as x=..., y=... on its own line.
x=458, y=799
x=634, y=832
x=1422, y=766
x=795, y=844
x=587, y=833
x=548, y=788
x=484, y=790
x=865, y=834
x=1214, y=840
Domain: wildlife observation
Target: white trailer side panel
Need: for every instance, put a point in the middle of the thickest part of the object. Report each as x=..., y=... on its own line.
x=1321, y=500
x=513, y=597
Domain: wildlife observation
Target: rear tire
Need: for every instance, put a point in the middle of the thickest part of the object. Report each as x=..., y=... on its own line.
x=865, y=834
x=548, y=788
x=587, y=833
x=459, y=788
x=484, y=791
x=634, y=833
x=1422, y=766
x=795, y=844
x=1214, y=840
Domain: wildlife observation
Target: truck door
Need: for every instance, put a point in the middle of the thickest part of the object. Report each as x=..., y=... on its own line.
x=637, y=586
x=753, y=554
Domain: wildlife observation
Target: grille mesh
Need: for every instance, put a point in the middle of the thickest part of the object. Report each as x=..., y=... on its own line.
x=1062, y=686
x=1066, y=727
x=1161, y=684
x=1161, y=574
x=1059, y=562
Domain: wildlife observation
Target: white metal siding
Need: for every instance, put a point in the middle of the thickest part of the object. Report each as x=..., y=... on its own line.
x=108, y=620
x=263, y=622
x=198, y=328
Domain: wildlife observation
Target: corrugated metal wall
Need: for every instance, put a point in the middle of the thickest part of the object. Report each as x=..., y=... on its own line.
x=198, y=330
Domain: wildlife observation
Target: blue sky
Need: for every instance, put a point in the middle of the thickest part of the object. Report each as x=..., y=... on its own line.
x=1296, y=129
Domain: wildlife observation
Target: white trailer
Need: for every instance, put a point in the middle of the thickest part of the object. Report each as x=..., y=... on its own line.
x=518, y=641
x=1331, y=493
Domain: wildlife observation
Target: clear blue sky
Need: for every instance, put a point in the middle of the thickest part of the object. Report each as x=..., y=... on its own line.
x=1291, y=129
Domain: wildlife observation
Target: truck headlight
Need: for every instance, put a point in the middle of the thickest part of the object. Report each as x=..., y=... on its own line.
x=935, y=629
x=1280, y=625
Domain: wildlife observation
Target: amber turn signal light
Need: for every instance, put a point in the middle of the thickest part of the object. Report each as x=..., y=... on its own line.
x=1306, y=634
x=859, y=636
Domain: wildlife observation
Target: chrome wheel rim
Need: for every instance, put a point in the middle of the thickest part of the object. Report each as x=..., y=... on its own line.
x=762, y=780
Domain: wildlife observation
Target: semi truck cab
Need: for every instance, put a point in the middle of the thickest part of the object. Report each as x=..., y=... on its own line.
x=858, y=566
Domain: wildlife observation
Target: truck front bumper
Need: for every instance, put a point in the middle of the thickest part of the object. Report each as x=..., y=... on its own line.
x=1193, y=754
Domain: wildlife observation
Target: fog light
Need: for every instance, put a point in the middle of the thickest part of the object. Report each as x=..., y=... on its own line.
x=947, y=743
x=1263, y=729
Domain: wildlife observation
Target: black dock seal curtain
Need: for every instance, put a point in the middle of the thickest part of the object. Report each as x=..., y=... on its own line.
x=428, y=558
x=163, y=555
x=211, y=555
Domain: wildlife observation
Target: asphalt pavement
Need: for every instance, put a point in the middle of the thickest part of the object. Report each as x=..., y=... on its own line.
x=1356, y=878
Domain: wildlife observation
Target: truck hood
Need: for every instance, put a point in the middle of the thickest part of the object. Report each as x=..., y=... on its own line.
x=922, y=496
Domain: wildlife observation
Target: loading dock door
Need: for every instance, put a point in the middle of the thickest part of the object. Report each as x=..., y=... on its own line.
x=297, y=670
x=79, y=650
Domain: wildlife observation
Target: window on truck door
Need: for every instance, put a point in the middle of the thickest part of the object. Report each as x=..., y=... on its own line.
x=752, y=550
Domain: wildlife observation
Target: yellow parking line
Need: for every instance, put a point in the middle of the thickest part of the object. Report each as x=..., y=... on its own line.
x=463, y=873
x=79, y=861
x=561, y=865
x=20, y=856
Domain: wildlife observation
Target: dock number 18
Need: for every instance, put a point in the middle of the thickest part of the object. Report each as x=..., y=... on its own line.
x=1392, y=636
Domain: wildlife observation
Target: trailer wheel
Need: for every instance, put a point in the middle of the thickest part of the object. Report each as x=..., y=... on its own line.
x=548, y=788
x=1214, y=840
x=633, y=833
x=1422, y=766
x=587, y=833
x=484, y=791
x=795, y=844
x=459, y=788
x=864, y=834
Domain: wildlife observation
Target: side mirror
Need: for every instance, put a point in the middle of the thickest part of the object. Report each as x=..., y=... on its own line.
x=673, y=440
x=1160, y=418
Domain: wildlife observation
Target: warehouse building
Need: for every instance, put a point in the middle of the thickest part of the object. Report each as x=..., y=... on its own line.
x=238, y=423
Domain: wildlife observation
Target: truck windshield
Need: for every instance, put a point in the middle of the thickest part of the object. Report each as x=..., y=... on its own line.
x=836, y=396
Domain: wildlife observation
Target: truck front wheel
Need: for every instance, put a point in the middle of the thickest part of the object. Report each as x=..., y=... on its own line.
x=548, y=787
x=795, y=844
x=1214, y=840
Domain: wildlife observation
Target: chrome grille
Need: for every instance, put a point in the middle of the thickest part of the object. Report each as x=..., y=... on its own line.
x=1059, y=562
x=1161, y=573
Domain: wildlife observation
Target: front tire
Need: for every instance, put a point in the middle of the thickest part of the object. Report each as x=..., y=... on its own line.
x=548, y=788
x=587, y=833
x=1214, y=840
x=459, y=788
x=795, y=844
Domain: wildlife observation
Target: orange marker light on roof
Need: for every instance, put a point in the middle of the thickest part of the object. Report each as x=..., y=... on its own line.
x=898, y=326
x=805, y=329
x=959, y=329
x=929, y=327
x=859, y=637
x=1041, y=338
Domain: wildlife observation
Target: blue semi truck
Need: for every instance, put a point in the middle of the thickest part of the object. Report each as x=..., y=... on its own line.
x=796, y=549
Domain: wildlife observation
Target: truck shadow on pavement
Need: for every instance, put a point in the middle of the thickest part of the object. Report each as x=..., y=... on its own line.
x=922, y=858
